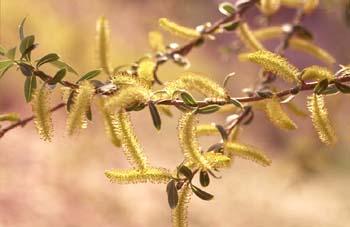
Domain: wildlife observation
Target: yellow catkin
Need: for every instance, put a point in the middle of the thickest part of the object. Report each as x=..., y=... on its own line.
x=267, y=33
x=127, y=97
x=146, y=69
x=295, y=43
x=81, y=102
x=247, y=152
x=312, y=49
x=277, y=116
x=156, y=42
x=179, y=214
x=320, y=119
x=10, y=117
x=269, y=7
x=196, y=82
x=102, y=43
x=188, y=140
x=273, y=63
x=217, y=160
x=110, y=124
x=133, y=176
x=178, y=30
x=292, y=3
x=122, y=79
x=42, y=113
x=248, y=38
x=292, y=107
x=207, y=130
x=317, y=73
x=131, y=146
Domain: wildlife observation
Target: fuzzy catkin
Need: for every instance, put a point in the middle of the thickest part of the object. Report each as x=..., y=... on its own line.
x=133, y=176
x=180, y=213
x=42, y=114
x=320, y=119
x=81, y=102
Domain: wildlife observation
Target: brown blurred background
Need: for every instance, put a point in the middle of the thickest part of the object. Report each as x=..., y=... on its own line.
x=62, y=183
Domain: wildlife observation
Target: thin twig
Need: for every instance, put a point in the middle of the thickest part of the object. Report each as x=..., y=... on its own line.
x=25, y=121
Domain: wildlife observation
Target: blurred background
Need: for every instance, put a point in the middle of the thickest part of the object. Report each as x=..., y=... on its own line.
x=62, y=183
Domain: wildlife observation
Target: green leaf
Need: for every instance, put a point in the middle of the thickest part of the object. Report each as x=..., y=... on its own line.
x=188, y=99
x=265, y=93
x=184, y=170
x=26, y=46
x=236, y=103
x=321, y=86
x=201, y=194
x=90, y=75
x=173, y=197
x=21, y=30
x=222, y=132
x=58, y=76
x=26, y=69
x=208, y=109
x=2, y=50
x=29, y=86
x=342, y=87
x=60, y=64
x=155, y=115
x=227, y=8
x=89, y=114
x=4, y=64
x=204, y=178
x=46, y=59
x=70, y=100
x=231, y=26
x=5, y=70
x=11, y=53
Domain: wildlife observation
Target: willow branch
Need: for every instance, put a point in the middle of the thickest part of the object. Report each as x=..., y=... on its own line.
x=25, y=121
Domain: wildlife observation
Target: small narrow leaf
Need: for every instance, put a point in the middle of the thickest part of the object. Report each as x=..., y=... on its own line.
x=204, y=178
x=21, y=29
x=222, y=132
x=26, y=46
x=46, y=59
x=29, y=86
x=5, y=70
x=227, y=8
x=26, y=69
x=321, y=86
x=188, y=99
x=201, y=194
x=11, y=53
x=60, y=64
x=155, y=115
x=70, y=100
x=58, y=76
x=90, y=75
x=342, y=87
x=208, y=109
x=4, y=64
x=184, y=170
x=236, y=103
x=173, y=197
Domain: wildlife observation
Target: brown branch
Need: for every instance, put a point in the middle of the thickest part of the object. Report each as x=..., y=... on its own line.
x=25, y=121
x=254, y=98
